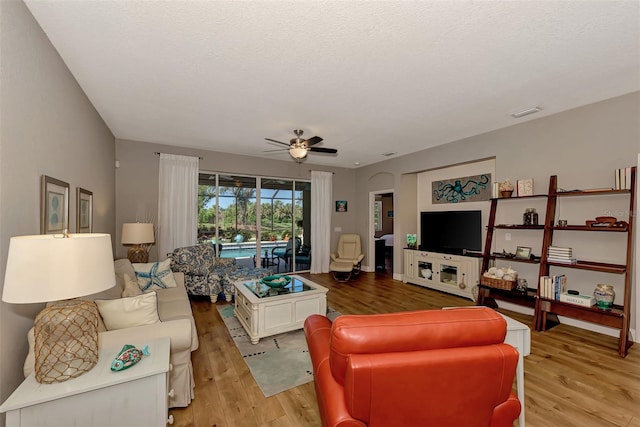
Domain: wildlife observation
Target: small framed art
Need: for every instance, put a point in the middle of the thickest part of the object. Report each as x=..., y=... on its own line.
x=84, y=211
x=341, y=205
x=525, y=187
x=54, y=205
x=523, y=252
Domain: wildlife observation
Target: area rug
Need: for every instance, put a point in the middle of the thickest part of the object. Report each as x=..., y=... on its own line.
x=278, y=362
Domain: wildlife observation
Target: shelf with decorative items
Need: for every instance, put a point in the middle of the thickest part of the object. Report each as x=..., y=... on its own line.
x=529, y=230
x=560, y=259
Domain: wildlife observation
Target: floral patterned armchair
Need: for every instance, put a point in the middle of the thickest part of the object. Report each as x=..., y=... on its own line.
x=210, y=276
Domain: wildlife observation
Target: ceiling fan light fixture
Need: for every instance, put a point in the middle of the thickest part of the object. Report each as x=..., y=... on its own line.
x=298, y=153
x=299, y=148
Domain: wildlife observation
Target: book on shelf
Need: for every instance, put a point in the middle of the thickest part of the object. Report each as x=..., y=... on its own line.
x=623, y=179
x=556, y=258
x=560, y=249
x=582, y=300
x=559, y=286
x=551, y=287
x=560, y=254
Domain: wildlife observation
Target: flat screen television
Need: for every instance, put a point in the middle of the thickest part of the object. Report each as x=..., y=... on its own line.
x=451, y=232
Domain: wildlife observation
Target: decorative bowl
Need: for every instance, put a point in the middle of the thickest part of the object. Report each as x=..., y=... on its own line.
x=276, y=281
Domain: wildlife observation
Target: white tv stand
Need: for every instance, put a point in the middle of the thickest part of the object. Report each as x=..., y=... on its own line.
x=454, y=274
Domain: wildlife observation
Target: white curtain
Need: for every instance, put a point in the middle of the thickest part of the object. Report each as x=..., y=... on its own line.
x=177, y=203
x=321, y=184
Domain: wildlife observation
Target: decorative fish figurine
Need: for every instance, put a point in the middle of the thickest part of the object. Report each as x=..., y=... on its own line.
x=128, y=356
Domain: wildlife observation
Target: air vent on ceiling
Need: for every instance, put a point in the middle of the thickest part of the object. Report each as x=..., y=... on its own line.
x=526, y=112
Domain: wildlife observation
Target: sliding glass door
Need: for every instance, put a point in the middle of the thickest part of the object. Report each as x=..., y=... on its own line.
x=228, y=210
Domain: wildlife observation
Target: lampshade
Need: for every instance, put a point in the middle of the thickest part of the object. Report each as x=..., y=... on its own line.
x=137, y=233
x=48, y=267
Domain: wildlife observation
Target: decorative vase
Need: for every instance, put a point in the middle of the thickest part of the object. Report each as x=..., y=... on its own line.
x=604, y=294
x=506, y=194
x=530, y=217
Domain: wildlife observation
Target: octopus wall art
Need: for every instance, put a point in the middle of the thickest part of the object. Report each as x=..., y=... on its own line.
x=465, y=189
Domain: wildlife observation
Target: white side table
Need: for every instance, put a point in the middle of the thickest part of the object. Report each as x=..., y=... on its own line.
x=136, y=396
x=519, y=337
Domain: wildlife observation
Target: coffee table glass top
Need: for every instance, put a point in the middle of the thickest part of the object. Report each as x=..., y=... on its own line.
x=263, y=291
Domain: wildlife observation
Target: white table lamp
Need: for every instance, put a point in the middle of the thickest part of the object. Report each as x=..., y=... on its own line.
x=47, y=268
x=137, y=234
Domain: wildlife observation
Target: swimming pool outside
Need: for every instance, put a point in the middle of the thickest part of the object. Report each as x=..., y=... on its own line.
x=247, y=250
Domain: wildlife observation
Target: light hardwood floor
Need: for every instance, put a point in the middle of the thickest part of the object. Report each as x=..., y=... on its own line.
x=573, y=377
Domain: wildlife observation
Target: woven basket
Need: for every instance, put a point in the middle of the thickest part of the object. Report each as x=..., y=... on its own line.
x=508, y=285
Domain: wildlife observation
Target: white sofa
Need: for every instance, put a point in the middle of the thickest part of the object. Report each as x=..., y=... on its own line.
x=176, y=322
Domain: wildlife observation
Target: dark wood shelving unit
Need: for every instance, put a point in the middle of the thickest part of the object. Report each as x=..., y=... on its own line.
x=587, y=192
x=585, y=228
x=518, y=227
x=522, y=260
x=487, y=295
x=618, y=316
x=613, y=318
x=591, y=265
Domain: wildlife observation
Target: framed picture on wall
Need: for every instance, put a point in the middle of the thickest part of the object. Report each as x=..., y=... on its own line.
x=84, y=211
x=341, y=205
x=54, y=205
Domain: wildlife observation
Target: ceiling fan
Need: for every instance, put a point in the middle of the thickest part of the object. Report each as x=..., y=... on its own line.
x=299, y=148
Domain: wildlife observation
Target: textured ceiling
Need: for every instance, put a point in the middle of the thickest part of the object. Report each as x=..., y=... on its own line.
x=368, y=77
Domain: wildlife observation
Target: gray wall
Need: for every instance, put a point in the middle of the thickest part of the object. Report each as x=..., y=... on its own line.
x=48, y=127
x=137, y=182
x=582, y=146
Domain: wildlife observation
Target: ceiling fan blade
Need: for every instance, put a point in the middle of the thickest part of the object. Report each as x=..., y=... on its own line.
x=323, y=150
x=313, y=141
x=277, y=142
x=273, y=151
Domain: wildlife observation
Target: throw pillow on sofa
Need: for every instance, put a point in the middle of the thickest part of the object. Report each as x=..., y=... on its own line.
x=154, y=275
x=129, y=312
x=131, y=288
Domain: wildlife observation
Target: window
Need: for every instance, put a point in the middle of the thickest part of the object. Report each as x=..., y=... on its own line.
x=377, y=215
x=246, y=216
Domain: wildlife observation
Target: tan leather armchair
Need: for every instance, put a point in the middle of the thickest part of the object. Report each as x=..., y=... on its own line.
x=349, y=252
x=423, y=368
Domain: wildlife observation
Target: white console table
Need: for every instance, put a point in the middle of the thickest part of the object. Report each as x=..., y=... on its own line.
x=136, y=396
x=455, y=274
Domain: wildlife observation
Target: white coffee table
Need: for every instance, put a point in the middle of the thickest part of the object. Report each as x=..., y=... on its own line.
x=263, y=312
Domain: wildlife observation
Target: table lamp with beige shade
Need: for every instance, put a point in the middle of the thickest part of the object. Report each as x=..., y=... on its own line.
x=55, y=268
x=137, y=234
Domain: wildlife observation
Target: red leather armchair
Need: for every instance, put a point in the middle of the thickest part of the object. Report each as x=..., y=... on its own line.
x=423, y=368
